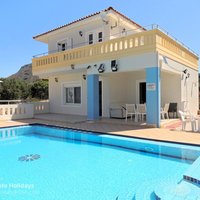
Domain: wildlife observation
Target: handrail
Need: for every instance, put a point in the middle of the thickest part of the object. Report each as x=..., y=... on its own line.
x=81, y=44
x=126, y=44
x=174, y=38
x=106, y=38
x=10, y=101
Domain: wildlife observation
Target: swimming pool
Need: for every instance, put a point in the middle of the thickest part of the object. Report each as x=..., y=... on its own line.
x=49, y=163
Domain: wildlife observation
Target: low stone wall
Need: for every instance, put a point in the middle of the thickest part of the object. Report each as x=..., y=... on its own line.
x=23, y=110
x=41, y=107
x=16, y=111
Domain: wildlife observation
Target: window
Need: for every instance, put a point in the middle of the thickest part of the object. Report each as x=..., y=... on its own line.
x=90, y=38
x=100, y=36
x=73, y=95
x=63, y=47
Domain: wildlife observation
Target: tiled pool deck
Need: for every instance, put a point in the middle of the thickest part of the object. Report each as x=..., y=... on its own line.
x=171, y=132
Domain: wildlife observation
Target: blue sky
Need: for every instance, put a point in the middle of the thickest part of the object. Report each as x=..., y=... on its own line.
x=21, y=20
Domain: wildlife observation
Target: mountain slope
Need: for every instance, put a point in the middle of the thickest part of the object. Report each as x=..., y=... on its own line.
x=25, y=73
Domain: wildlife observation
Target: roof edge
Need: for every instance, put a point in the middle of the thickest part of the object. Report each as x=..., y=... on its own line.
x=86, y=17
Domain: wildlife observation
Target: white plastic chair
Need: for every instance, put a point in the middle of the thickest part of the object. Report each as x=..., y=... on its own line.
x=141, y=111
x=164, y=111
x=187, y=118
x=130, y=111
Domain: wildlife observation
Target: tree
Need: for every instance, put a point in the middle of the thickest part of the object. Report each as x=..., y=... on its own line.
x=12, y=89
x=39, y=89
x=1, y=87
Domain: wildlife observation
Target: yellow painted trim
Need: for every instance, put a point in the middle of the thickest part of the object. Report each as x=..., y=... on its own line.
x=135, y=44
x=170, y=48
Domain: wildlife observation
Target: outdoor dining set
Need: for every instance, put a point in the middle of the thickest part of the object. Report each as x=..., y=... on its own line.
x=188, y=118
x=137, y=113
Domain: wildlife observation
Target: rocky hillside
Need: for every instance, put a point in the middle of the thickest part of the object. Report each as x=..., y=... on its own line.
x=25, y=73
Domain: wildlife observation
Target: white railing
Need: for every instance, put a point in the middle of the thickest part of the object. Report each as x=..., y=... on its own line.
x=41, y=107
x=22, y=110
x=154, y=40
x=121, y=34
x=16, y=111
x=10, y=101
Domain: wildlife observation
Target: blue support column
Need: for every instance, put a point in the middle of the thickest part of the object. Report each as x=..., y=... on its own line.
x=93, y=97
x=153, y=95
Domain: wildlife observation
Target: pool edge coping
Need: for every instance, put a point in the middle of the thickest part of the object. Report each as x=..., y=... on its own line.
x=102, y=133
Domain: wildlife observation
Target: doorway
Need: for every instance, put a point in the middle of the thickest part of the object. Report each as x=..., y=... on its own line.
x=142, y=92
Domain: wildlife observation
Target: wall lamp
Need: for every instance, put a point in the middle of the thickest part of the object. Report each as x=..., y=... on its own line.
x=56, y=79
x=89, y=66
x=114, y=66
x=185, y=71
x=84, y=76
x=114, y=26
x=123, y=30
x=101, y=68
x=72, y=66
x=188, y=75
x=80, y=33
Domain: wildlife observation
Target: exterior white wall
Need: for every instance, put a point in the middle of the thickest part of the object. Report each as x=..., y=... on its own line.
x=56, y=94
x=117, y=88
x=120, y=89
x=175, y=87
x=72, y=35
x=116, y=27
x=170, y=89
x=123, y=86
x=128, y=63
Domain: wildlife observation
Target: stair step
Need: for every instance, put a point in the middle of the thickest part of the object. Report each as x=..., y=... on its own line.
x=192, y=174
x=184, y=190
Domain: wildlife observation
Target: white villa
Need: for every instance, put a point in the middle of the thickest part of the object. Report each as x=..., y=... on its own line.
x=107, y=59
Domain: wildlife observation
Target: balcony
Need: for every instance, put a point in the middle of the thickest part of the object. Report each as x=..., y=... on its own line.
x=154, y=40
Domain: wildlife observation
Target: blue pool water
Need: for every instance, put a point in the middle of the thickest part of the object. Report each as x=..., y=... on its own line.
x=67, y=168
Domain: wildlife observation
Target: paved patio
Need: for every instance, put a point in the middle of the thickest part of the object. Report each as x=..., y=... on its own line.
x=170, y=123
x=78, y=119
x=170, y=131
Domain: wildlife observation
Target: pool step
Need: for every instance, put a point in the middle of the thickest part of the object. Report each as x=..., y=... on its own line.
x=187, y=189
x=192, y=174
x=165, y=191
x=184, y=190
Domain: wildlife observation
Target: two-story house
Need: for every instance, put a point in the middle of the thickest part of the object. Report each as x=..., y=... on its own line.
x=106, y=58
